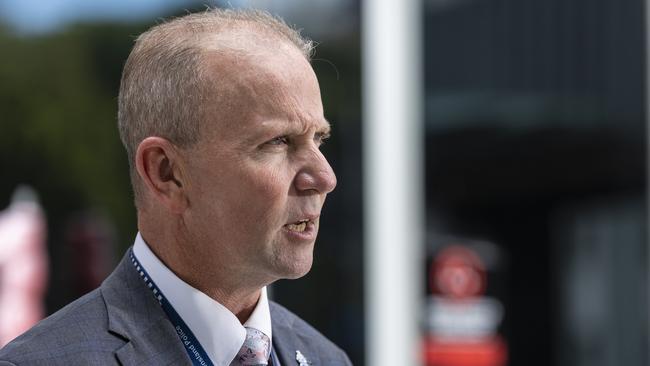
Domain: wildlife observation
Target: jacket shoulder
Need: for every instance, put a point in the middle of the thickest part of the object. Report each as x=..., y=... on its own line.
x=76, y=334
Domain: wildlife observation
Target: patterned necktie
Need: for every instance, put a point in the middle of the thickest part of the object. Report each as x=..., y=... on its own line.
x=255, y=350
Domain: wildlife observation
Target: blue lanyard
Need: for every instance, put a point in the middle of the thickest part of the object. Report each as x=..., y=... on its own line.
x=197, y=354
x=274, y=360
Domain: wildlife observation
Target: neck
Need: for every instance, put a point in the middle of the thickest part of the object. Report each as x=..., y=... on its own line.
x=224, y=286
x=240, y=304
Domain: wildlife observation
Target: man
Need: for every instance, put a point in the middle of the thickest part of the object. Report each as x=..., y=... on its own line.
x=221, y=117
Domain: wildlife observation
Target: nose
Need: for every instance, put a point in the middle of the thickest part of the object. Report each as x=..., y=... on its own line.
x=317, y=175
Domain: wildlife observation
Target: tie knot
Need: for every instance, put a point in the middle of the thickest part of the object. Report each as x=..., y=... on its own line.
x=255, y=350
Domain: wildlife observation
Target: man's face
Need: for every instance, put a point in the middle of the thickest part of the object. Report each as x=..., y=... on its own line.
x=257, y=179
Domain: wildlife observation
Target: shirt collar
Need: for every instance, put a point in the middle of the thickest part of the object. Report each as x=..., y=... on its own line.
x=214, y=326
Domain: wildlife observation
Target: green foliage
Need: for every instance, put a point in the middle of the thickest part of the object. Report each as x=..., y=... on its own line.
x=58, y=120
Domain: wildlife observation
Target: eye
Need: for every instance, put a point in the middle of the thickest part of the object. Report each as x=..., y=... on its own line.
x=280, y=140
x=321, y=137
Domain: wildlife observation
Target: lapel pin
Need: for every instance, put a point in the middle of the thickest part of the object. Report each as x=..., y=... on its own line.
x=302, y=361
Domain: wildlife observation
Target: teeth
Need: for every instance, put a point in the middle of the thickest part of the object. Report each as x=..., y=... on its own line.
x=297, y=227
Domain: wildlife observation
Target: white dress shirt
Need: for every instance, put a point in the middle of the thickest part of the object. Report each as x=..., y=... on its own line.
x=214, y=326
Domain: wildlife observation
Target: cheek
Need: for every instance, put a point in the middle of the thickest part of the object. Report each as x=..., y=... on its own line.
x=241, y=192
x=259, y=194
x=266, y=188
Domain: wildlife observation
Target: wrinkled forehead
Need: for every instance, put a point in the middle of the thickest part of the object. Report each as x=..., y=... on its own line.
x=251, y=57
x=249, y=74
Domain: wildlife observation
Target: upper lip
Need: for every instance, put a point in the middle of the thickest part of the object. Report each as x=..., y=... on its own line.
x=303, y=218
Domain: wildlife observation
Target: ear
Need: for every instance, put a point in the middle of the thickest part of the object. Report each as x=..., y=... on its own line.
x=159, y=165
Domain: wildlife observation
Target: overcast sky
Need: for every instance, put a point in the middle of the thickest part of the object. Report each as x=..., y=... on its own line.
x=316, y=17
x=35, y=16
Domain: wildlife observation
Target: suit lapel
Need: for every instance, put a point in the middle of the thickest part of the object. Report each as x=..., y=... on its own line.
x=155, y=346
x=135, y=316
x=282, y=342
x=287, y=340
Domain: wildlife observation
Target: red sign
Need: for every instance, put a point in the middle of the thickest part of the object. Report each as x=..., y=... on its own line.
x=463, y=321
x=458, y=272
x=488, y=352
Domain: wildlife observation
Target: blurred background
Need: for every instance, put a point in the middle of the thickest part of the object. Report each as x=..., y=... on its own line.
x=535, y=166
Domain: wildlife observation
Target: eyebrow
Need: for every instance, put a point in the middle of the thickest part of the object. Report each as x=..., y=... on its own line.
x=327, y=128
x=323, y=127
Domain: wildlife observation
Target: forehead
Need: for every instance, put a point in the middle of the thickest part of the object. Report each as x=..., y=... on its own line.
x=262, y=88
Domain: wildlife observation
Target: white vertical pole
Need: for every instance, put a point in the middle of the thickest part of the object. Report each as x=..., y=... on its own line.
x=393, y=180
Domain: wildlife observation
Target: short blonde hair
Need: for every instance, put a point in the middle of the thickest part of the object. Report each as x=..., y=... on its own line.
x=163, y=83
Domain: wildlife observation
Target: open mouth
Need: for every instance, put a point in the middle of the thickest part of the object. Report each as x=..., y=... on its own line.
x=299, y=226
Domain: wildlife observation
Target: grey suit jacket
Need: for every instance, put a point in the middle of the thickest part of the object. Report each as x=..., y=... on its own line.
x=121, y=323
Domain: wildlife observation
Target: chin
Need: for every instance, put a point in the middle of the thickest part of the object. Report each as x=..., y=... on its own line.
x=297, y=273
x=292, y=267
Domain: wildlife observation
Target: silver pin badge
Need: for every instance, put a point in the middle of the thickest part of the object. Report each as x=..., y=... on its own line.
x=302, y=361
